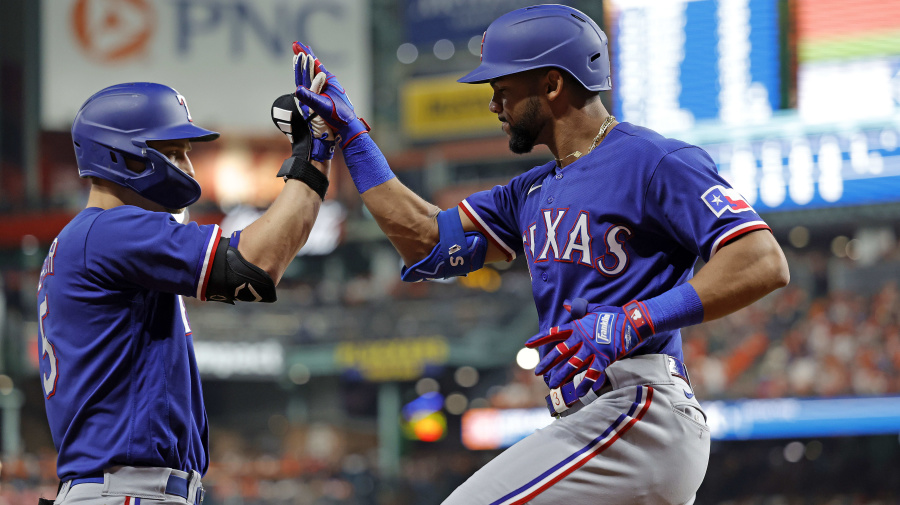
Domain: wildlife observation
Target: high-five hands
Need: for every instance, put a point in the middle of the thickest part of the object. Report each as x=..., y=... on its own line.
x=305, y=75
x=331, y=103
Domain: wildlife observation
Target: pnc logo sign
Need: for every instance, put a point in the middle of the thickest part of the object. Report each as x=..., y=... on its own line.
x=113, y=30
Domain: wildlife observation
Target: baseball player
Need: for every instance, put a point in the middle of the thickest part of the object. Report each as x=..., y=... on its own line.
x=119, y=376
x=611, y=230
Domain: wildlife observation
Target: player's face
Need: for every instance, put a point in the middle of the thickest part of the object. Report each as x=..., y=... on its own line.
x=176, y=151
x=518, y=109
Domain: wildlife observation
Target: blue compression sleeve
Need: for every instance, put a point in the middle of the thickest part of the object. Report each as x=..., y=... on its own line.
x=676, y=308
x=367, y=165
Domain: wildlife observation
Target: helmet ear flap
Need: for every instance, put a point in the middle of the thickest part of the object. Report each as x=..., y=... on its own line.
x=164, y=183
x=98, y=160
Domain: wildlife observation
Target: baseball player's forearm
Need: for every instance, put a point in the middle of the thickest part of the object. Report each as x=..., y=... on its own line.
x=272, y=241
x=408, y=221
x=741, y=273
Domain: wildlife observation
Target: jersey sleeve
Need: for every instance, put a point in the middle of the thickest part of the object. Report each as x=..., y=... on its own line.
x=695, y=205
x=151, y=250
x=494, y=213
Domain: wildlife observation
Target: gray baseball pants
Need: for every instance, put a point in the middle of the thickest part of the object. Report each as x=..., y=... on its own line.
x=643, y=441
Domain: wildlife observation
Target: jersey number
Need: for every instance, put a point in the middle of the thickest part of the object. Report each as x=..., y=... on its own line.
x=49, y=380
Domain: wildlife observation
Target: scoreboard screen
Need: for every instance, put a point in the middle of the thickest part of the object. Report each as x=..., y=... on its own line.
x=678, y=62
x=714, y=73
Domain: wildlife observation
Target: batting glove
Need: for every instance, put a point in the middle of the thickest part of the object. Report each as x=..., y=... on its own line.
x=288, y=118
x=305, y=75
x=332, y=103
x=598, y=336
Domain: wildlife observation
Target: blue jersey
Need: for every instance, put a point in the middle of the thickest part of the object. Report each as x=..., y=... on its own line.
x=117, y=362
x=625, y=222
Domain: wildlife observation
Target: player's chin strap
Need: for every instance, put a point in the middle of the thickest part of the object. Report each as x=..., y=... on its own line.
x=234, y=278
x=457, y=253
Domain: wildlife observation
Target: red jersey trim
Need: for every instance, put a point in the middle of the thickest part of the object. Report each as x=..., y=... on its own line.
x=207, y=263
x=483, y=227
x=736, y=232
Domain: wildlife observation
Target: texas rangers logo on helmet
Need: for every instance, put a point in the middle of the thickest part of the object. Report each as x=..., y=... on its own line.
x=719, y=199
x=182, y=101
x=481, y=51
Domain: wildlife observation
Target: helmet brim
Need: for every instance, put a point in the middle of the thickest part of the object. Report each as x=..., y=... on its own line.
x=185, y=131
x=484, y=73
x=487, y=73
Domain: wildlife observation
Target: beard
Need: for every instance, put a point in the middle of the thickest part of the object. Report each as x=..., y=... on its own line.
x=523, y=134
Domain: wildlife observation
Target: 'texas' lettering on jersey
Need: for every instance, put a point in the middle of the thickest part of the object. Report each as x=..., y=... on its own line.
x=548, y=240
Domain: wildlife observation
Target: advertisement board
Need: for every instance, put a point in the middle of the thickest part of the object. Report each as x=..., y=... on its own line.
x=229, y=58
x=489, y=429
x=441, y=107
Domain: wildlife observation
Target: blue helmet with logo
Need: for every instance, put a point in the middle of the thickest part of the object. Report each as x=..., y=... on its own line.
x=545, y=36
x=117, y=122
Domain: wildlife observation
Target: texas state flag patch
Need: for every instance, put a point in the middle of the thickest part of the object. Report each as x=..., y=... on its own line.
x=719, y=199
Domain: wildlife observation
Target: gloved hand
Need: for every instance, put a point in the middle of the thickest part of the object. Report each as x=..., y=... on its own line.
x=332, y=104
x=288, y=118
x=597, y=336
x=305, y=75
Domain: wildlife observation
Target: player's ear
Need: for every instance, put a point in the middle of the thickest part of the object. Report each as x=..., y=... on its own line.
x=553, y=84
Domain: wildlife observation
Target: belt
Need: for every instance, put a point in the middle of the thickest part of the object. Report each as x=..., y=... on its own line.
x=563, y=401
x=176, y=485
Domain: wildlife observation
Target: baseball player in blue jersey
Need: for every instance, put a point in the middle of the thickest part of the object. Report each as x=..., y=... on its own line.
x=120, y=379
x=611, y=230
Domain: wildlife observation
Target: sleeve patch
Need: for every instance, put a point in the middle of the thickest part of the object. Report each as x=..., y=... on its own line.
x=720, y=199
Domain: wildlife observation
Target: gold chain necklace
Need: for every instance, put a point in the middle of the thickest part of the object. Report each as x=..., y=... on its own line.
x=600, y=135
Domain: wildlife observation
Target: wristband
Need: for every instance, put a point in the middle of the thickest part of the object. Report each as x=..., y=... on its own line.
x=368, y=167
x=676, y=308
x=303, y=171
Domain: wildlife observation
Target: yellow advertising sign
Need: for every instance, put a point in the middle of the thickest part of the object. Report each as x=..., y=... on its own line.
x=395, y=359
x=441, y=107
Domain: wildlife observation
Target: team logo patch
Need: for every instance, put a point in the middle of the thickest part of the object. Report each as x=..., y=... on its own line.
x=719, y=199
x=605, y=327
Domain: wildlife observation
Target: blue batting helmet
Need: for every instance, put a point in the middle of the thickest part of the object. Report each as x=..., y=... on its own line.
x=117, y=122
x=545, y=36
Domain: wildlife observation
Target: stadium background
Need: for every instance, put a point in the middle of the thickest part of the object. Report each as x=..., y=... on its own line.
x=357, y=389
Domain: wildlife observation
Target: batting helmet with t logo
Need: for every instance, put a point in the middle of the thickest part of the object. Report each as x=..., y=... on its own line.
x=545, y=36
x=117, y=122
